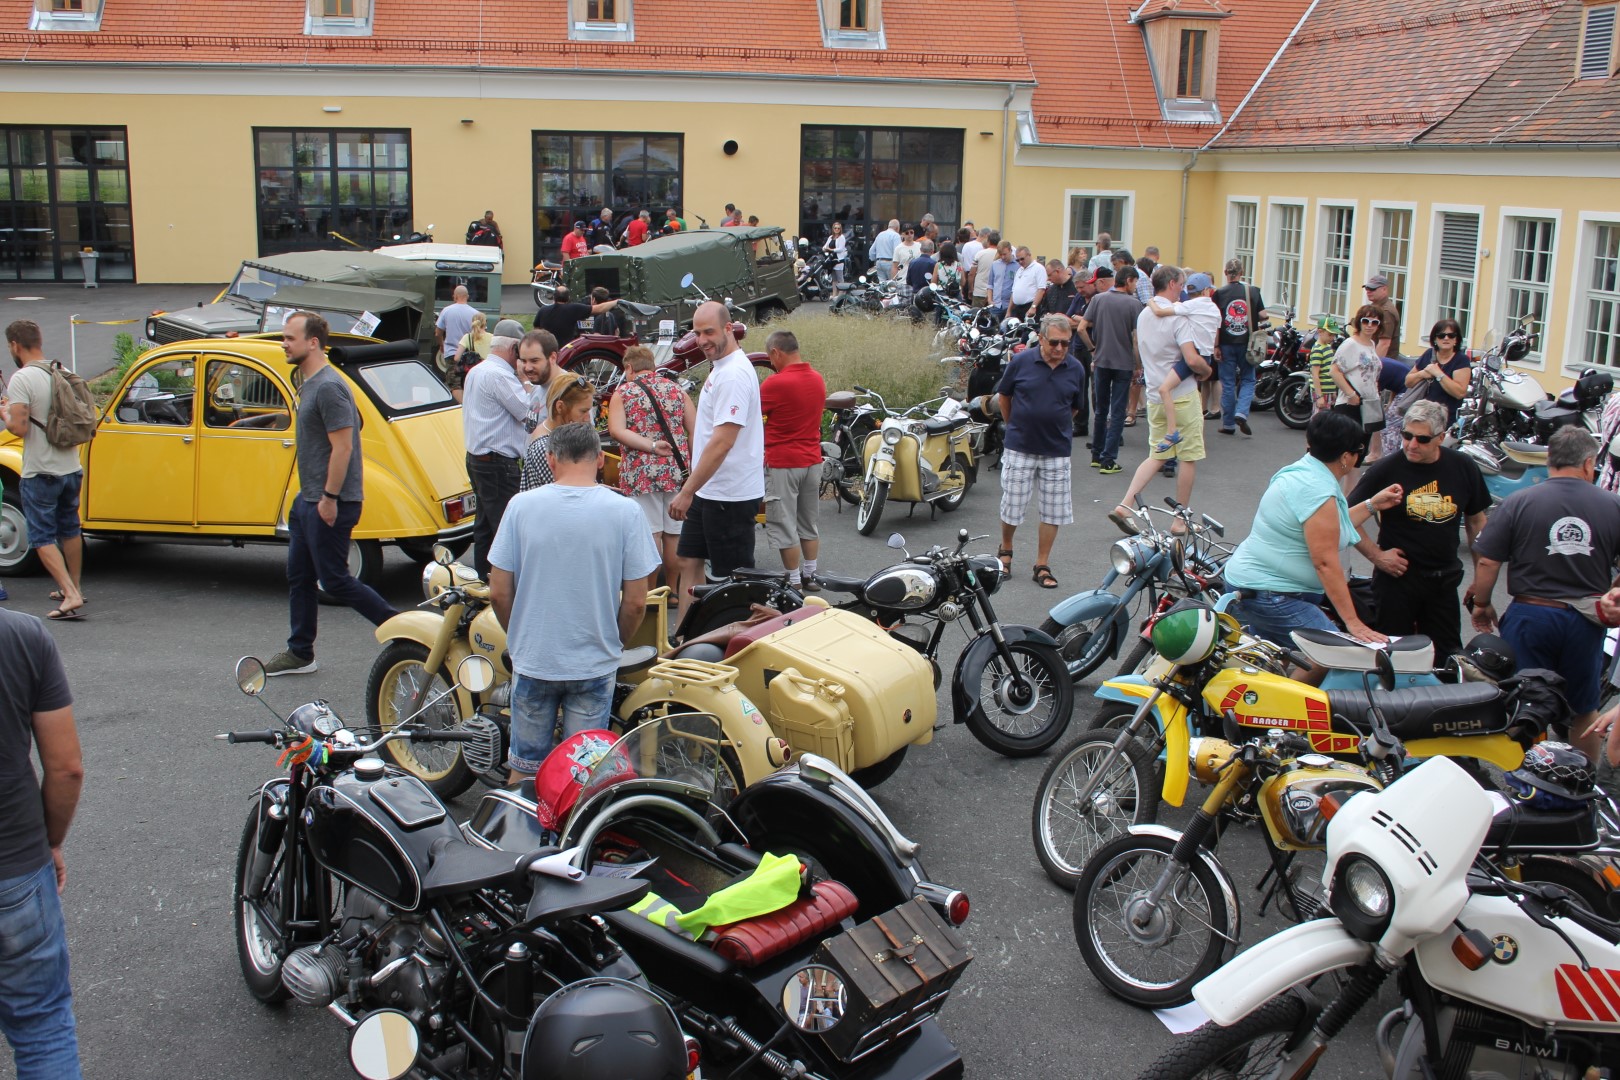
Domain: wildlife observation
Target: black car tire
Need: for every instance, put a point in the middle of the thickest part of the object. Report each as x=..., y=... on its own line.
x=16, y=557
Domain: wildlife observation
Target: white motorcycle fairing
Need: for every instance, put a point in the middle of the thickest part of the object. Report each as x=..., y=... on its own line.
x=1296, y=955
x=1533, y=974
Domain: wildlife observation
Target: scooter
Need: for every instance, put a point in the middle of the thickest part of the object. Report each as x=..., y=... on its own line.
x=917, y=458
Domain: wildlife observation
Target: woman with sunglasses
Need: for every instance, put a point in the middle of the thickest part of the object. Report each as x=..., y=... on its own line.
x=1445, y=366
x=1355, y=371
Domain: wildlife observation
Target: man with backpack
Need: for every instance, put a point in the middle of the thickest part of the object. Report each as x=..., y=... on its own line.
x=52, y=412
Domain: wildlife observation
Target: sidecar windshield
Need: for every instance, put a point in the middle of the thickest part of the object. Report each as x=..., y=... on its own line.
x=680, y=754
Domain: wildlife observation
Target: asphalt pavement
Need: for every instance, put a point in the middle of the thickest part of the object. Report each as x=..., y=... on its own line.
x=157, y=987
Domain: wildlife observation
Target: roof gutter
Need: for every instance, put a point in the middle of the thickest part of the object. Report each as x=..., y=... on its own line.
x=1289, y=40
x=1006, y=116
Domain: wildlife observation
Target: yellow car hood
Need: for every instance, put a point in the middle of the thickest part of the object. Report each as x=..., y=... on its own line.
x=434, y=441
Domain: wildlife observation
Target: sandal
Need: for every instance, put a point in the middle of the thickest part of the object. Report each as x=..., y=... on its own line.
x=1006, y=556
x=56, y=594
x=1044, y=578
x=1128, y=523
x=70, y=615
x=1130, y=422
x=1168, y=443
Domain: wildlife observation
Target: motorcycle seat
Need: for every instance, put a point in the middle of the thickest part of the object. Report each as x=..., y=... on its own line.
x=706, y=651
x=758, y=573
x=751, y=634
x=636, y=658
x=637, y=933
x=839, y=583
x=1412, y=655
x=1557, y=410
x=1520, y=828
x=839, y=400
x=644, y=310
x=936, y=426
x=1525, y=453
x=455, y=866
x=1426, y=712
x=555, y=898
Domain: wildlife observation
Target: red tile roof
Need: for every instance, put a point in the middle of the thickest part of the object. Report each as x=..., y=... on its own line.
x=1534, y=98
x=773, y=37
x=1355, y=76
x=1095, y=88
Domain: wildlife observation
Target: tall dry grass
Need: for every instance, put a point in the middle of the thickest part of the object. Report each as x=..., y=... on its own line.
x=888, y=354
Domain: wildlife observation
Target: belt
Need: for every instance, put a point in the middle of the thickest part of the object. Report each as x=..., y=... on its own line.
x=1309, y=598
x=493, y=457
x=1536, y=601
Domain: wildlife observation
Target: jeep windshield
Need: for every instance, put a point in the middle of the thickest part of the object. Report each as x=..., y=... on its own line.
x=260, y=283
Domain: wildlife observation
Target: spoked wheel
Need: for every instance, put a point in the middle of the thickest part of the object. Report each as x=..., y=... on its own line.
x=1294, y=401
x=1085, y=644
x=260, y=945
x=1069, y=827
x=1149, y=953
x=955, y=463
x=697, y=759
x=1024, y=711
x=599, y=367
x=398, y=677
x=1247, y=1050
x=873, y=496
x=1140, y=656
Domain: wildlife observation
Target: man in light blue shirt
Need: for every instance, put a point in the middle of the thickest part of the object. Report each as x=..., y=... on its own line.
x=1002, y=272
x=494, y=405
x=882, y=250
x=568, y=581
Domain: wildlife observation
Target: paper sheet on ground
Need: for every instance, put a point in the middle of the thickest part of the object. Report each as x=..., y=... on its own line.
x=1182, y=1018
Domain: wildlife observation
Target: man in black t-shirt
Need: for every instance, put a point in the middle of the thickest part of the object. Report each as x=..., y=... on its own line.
x=563, y=318
x=1416, y=566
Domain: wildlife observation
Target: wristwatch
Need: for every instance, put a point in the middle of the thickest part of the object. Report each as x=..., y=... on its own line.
x=329, y=495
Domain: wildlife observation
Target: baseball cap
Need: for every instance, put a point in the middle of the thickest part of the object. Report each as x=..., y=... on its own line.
x=580, y=224
x=1377, y=281
x=1100, y=273
x=509, y=328
x=1198, y=282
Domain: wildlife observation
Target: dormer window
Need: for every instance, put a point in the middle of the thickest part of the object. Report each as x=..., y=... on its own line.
x=1190, y=67
x=1597, y=43
x=852, y=24
x=600, y=20
x=338, y=18
x=1182, y=38
x=70, y=15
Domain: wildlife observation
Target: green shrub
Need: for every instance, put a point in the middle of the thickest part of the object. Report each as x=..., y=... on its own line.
x=125, y=353
x=889, y=354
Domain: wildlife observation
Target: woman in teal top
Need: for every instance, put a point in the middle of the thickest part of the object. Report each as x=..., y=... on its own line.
x=1291, y=557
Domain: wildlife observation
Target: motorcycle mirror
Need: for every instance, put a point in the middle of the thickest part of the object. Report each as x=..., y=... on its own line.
x=475, y=674
x=250, y=675
x=443, y=555
x=897, y=541
x=686, y=281
x=384, y=1046
x=1386, y=668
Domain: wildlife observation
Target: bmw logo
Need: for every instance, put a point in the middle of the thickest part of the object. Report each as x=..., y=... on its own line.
x=1504, y=950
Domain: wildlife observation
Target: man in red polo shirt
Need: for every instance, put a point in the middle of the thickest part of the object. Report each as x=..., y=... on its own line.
x=792, y=402
x=573, y=245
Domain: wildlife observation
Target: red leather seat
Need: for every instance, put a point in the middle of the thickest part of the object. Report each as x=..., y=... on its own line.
x=753, y=941
x=747, y=637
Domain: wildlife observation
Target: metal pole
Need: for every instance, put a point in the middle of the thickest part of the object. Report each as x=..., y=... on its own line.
x=73, y=344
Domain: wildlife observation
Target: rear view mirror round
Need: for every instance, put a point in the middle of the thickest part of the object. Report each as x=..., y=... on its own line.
x=443, y=555
x=384, y=1046
x=250, y=675
x=686, y=281
x=1386, y=668
x=475, y=674
x=897, y=541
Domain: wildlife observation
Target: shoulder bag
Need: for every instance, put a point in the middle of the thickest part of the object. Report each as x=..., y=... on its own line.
x=663, y=424
x=1255, y=354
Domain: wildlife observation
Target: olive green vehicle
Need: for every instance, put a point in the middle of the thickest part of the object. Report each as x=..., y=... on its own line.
x=750, y=267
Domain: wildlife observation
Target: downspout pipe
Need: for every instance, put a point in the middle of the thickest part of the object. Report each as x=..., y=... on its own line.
x=1181, y=227
x=1001, y=213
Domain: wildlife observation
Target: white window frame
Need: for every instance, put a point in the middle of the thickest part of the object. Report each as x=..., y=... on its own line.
x=1580, y=295
x=1377, y=264
x=1127, y=215
x=1477, y=322
x=44, y=17
x=1274, y=254
x=319, y=24
x=1320, y=262
x=581, y=28
x=1233, y=249
x=834, y=36
x=1503, y=287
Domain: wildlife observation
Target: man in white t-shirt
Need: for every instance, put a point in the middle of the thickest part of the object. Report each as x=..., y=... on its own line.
x=1160, y=342
x=720, y=498
x=970, y=250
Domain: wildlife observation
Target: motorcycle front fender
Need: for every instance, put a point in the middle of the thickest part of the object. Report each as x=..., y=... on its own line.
x=1223, y=881
x=1171, y=716
x=423, y=627
x=1094, y=604
x=970, y=667
x=744, y=725
x=1294, y=956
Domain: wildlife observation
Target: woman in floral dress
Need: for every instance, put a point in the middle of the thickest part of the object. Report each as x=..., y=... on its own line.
x=653, y=468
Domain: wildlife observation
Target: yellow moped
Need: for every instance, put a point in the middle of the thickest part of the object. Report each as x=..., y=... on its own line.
x=922, y=455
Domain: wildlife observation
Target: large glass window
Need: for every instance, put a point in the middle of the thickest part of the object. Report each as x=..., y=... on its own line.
x=1530, y=268
x=1600, y=344
x=1245, y=225
x=1338, y=234
x=314, y=183
x=576, y=173
x=865, y=177
x=1459, y=261
x=1287, y=244
x=63, y=190
x=1092, y=215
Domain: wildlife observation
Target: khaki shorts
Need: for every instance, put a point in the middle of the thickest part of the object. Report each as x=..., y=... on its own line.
x=655, y=508
x=1189, y=421
x=792, y=505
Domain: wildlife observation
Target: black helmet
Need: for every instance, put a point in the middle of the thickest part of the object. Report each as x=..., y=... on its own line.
x=1554, y=776
x=1494, y=657
x=924, y=300
x=604, y=1029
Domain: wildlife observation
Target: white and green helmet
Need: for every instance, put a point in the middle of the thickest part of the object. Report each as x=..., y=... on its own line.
x=1187, y=636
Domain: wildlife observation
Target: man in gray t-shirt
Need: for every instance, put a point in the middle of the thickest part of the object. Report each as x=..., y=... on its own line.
x=1109, y=330
x=567, y=616
x=330, y=494
x=453, y=324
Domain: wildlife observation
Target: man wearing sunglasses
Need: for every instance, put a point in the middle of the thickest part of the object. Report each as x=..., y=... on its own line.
x=1416, y=567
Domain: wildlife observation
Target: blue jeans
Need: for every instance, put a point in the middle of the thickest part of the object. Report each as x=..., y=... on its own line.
x=1274, y=616
x=1237, y=385
x=36, y=1002
x=1561, y=640
x=536, y=704
x=50, y=506
x=319, y=553
x=1113, y=391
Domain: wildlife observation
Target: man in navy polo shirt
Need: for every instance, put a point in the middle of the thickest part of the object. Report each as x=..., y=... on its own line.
x=1041, y=393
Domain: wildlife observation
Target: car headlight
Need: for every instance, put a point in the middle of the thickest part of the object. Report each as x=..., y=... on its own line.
x=892, y=436
x=1362, y=897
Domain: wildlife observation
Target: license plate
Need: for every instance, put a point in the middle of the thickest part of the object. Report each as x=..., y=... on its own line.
x=469, y=504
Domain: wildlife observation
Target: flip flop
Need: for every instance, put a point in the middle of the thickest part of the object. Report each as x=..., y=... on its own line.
x=58, y=615
x=56, y=594
x=1128, y=524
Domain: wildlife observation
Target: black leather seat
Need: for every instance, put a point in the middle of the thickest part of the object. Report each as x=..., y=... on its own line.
x=555, y=898
x=456, y=866
x=936, y=426
x=1423, y=712
x=1521, y=828
x=840, y=583
x=637, y=934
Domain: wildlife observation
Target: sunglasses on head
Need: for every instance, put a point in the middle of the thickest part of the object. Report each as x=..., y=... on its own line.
x=1421, y=440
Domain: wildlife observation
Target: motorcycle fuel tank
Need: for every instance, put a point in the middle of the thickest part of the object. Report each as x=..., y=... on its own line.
x=1261, y=701
x=1517, y=391
x=905, y=587
x=377, y=834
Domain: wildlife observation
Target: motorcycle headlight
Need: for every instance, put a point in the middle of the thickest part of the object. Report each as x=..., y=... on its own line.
x=892, y=436
x=1362, y=897
x=987, y=571
x=1128, y=556
x=974, y=333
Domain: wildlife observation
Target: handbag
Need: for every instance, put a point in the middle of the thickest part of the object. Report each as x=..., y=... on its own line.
x=663, y=424
x=1255, y=353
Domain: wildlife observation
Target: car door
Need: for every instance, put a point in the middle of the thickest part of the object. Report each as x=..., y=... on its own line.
x=248, y=447
x=142, y=465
